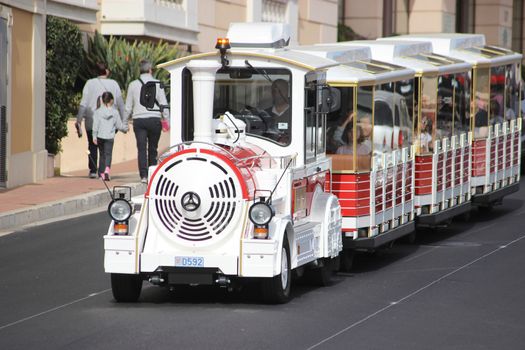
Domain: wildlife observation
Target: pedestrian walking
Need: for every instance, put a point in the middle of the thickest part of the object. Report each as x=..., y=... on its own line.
x=106, y=121
x=146, y=124
x=91, y=100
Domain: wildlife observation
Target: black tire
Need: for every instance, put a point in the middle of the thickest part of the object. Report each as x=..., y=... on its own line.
x=126, y=288
x=346, y=260
x=410, y=238
x=276, y=290
x=465, y=217
x=323, y=275
x=486, y=209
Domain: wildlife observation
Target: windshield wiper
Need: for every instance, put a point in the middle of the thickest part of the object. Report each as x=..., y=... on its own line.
x=263, y=72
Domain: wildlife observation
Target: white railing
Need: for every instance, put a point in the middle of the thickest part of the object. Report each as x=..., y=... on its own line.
x=274, y=11
x=178, y=4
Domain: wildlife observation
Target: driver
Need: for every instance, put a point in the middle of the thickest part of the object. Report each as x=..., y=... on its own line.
x=279, y=112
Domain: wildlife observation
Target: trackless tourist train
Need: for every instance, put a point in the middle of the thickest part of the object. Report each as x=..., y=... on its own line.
x=285, y=160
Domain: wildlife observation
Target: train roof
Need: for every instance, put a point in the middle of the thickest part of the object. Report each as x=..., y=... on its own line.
x=336, y=53
x=471, y=48
x=417, y=55
x=264, y=41
x=284, y=56
x=356, y=65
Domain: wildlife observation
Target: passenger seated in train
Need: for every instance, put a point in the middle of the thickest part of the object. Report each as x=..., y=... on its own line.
x=481, y=119
x=362, y=146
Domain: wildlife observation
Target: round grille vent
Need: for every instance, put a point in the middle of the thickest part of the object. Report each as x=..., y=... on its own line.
x=196, y=196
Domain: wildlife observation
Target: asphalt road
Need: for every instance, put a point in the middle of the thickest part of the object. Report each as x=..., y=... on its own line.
x=461, y=287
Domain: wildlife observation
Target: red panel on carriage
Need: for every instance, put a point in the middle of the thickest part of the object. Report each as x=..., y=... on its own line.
x=423, y=180
x=353, y=191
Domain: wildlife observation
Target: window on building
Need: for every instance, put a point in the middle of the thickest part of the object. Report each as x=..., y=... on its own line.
x=465, y=11
x=274, y=11
x=517, y=25
x=401, y=16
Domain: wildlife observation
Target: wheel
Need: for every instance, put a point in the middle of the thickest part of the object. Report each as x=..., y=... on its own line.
x=410, y=238
x=322, y=276
x=465, y=217
x=486, y=209
x=126, y=288
x=346, y=260
x=276, y=290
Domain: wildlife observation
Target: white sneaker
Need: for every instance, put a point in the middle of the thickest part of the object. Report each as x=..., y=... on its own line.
x=144, y=180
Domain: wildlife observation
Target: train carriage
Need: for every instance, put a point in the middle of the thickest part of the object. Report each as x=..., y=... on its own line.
x=442, y=139
x=241, y=193
x=369, y=139
x=495, y=116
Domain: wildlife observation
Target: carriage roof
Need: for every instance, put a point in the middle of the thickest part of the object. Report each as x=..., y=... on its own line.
x=417, y=55
x=467, y=47
x=356, y=66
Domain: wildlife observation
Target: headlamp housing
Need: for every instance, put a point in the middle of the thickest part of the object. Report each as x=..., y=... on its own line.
x=120, y=210
x=261, y=213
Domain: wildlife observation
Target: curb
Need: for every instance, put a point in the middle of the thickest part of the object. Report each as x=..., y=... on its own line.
x=65, y=207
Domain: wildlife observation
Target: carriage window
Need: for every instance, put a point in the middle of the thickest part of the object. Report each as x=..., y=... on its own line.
x=427, y=114
x=461, y=116
x=511, y=91
x=260, y=97
x=481, y=102
x=384, y=113
x=338, y=120
x=405, y=89
x=363, y=129
x=445, y=106
x=497, y=90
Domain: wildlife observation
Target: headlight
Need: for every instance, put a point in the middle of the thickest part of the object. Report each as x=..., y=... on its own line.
x=119, y=210
x=261, y=213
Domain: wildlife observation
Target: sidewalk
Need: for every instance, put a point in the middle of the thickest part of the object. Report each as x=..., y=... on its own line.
x=68, y=194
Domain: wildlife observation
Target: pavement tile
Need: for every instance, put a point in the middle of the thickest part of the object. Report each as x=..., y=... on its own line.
x=65, y=194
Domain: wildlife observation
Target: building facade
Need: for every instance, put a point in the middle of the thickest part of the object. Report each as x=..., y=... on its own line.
x=501, y=21
x=195, y=24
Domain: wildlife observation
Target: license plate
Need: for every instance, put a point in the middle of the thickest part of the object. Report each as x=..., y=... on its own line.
x=189, y=261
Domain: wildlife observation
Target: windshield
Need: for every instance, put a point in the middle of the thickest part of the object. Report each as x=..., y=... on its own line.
x=260, y=97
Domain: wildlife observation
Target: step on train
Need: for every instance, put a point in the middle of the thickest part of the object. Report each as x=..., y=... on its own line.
x=286, y=160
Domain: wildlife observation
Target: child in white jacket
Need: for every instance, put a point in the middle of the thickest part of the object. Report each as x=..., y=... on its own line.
x=106, y=120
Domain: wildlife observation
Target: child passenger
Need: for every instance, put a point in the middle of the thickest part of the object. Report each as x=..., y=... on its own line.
x=106, y=121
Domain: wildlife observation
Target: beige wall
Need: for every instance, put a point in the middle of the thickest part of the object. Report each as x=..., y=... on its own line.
x=317, y=21
x=215, y=17
x=494, y=19
x=432, y=16
x=21, y=63
x=364, y=17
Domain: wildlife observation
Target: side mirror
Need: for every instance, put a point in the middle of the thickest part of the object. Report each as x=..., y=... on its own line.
x=148, y=94
x=331, y=99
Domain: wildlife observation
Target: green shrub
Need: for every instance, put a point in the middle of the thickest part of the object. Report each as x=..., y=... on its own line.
x=123, y=57
x=64, y=55
x=345, y=33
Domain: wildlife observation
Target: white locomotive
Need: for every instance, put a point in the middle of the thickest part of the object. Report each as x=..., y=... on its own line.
x=241, y=194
